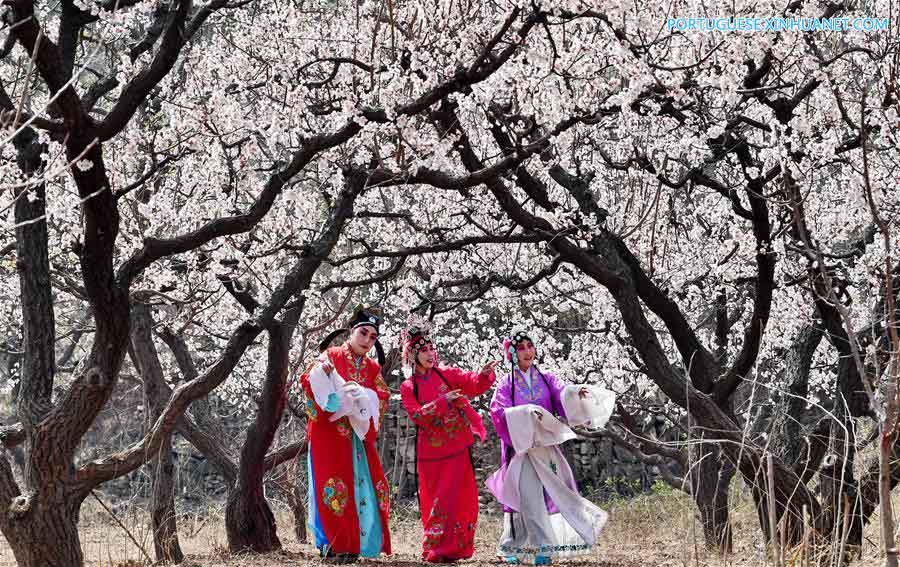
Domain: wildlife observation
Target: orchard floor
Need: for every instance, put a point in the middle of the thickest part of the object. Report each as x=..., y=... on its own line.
x=655, y=529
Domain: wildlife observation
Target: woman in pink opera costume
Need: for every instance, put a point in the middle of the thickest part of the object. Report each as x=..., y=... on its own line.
x=437, y=401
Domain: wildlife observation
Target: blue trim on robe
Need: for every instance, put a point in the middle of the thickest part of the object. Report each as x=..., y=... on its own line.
x=370, y=537
x=333, y=403
x=313, y=522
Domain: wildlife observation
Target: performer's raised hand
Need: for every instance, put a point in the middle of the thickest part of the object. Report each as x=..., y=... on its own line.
x=353, y=389
x=583, y=393
x=539, y=415
x=326, y=365
x=489, y=367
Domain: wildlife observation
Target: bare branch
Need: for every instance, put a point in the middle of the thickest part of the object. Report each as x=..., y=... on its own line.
x=442, y=247
x=155, y=249
x=383, y=276
x=285, y=454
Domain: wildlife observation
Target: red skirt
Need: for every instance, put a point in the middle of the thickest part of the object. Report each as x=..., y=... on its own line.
x=448, y=501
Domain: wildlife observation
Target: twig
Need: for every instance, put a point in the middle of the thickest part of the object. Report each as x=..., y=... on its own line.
x=846, y=531
x=202, y=525
x=804, y=550
x=121, y=525
x=773, y=536
x=37, y=45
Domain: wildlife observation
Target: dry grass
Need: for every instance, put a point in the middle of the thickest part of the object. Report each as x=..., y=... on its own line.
x=655, y=529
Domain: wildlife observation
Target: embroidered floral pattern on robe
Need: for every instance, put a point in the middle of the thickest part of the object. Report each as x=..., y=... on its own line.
x=448, y=494
x=342, y=468
x=334, y=495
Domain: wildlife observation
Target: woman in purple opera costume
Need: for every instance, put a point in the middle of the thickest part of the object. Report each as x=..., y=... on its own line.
x=546, y=517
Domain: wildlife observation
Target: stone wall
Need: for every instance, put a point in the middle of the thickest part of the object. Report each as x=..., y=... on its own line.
x=601, y=468
x=599, y=465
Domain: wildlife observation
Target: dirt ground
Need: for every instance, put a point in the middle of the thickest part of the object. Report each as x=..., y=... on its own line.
x=656, y=529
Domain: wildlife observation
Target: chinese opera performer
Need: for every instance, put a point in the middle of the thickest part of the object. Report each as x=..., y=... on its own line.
x=545, y=516
x=346, y=398
x=437, y=401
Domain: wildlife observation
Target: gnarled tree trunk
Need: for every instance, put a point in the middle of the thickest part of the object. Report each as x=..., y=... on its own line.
x=162, y=506
x=249, y=521
x=41, y=523
x=42, y=537
x=162, y=492
x=710, y=479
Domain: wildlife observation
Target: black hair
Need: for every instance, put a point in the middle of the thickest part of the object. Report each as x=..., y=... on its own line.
x=326, y=342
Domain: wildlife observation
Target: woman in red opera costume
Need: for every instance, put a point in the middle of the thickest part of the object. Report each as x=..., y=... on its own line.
x=436, y=400
x=346, y=397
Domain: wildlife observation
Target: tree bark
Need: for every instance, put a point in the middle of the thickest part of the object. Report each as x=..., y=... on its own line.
x=41, y=524
x=162, y=494
x=249, y=522
x=710, y=480
x=44, y=537
x=162, y=506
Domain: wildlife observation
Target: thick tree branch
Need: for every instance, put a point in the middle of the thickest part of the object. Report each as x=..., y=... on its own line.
x=298, y=279
x=33, y=267
x=285, y=454
x=377, y=278
x=442, y=180
x=173, y=40
x=198, y=426
x=762, y=295
x=442, y=247
x=154, y=248
x=71, y=23
x=158, y=392
x=240, y=294
x=25, y=27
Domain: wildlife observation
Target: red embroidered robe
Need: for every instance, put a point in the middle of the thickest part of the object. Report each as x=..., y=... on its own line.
x=331, y=452
x=448, y=494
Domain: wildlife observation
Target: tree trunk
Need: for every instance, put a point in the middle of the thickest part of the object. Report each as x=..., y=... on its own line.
x=791, y=494
x=162, y=507
x=46, y=537
x=710, y=480
x=162, y=494
x=249, y=522
x=41, y=525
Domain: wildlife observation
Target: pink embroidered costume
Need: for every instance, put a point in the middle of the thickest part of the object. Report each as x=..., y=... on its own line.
x=445, y=430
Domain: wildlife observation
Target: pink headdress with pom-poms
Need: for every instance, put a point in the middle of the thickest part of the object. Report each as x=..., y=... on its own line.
x=413, y=338
x=509, y=349
x=511, y=343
